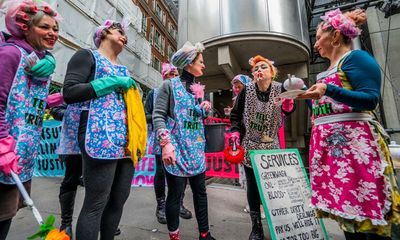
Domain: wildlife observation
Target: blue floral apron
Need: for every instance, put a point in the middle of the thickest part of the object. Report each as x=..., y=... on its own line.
x=69, y=130
x=24, y=116
x=187, y=134
x=107, y=132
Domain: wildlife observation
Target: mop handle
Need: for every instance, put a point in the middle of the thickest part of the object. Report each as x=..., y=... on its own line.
x=26, y=197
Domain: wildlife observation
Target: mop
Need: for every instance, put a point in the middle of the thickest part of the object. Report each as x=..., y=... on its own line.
x=46, y=229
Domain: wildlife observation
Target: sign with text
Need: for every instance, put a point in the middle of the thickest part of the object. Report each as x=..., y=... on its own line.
x=217, y=166
x=47, y=163
x=285, y=192
x=144, y=172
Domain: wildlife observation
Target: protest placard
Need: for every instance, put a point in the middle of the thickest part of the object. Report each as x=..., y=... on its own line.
x=285, y=193
x=47, y=163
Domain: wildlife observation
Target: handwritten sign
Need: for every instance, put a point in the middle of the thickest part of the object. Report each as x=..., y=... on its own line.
x=285, y=193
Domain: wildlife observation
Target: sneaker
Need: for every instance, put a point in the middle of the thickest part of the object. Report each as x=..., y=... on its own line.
x=185, y=213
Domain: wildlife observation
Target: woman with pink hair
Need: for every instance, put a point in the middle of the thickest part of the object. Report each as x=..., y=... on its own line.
x=168, y=71
x=352, y=177
x=26, y=67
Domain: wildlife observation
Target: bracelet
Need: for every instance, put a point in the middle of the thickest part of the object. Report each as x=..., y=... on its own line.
x=163, y=136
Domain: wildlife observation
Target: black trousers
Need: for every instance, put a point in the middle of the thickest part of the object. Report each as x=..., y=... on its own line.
x=107, y=187
x=176, y=187
x=364, y=236
x=253, y=196
x=159, y=180
x=4, y=228
x=73, y=172
x=69, y=185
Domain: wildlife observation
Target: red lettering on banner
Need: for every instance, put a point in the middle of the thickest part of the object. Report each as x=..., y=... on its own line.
x=217, y=166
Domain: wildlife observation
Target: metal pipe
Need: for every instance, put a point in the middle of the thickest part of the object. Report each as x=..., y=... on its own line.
x=346, y=6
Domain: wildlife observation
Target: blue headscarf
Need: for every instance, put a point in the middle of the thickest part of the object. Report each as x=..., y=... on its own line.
x=242, y=78
x=186, y=54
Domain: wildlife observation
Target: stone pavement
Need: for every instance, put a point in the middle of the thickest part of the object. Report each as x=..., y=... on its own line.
x=227, y=219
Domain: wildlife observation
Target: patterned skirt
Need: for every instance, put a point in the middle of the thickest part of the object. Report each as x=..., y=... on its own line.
x=352, y=177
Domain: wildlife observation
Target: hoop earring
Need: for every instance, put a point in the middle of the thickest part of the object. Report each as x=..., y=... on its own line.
x=337, y=44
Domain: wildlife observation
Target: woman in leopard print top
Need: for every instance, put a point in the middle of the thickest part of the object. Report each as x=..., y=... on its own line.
x=257, y=115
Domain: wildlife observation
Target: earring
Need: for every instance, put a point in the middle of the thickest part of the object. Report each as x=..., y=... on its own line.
x=337, y=44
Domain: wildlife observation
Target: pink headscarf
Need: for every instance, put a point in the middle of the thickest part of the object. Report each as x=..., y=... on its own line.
x=107, y=23
x=20, y=12
x=341, y=22
x=166, y=69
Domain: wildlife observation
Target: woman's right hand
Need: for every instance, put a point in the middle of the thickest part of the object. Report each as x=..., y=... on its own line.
x=168, y=154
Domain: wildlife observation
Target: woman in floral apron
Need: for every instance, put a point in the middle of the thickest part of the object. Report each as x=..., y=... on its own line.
x=93, y=88
x=168, y=71
x=25, y=68
x=258, y=116
x=351, y=171
x=178, y=121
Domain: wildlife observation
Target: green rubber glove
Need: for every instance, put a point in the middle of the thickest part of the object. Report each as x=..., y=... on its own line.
x=44, y=67
x=106, y=85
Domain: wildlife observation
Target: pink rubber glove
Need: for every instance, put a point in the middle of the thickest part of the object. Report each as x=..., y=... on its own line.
x=287, y=105
x=168, y=154
x=235, y=136
x=55, y=100
x=8, y=158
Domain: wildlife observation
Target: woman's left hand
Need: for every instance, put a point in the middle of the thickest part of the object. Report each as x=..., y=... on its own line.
x=316, y=91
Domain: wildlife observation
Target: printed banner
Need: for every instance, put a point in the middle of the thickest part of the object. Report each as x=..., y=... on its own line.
x=217, y=166
x=47, y=163
x=286, y=196
x=146, y=167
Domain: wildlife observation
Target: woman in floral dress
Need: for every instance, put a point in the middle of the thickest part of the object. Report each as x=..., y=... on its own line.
x=351, y=171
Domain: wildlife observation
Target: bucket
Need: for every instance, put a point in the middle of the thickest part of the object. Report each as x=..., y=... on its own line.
x=215, y=137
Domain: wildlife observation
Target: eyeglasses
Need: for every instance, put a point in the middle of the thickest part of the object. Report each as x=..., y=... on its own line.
x=260, y=67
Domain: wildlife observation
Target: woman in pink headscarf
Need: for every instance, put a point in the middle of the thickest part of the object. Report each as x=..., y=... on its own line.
x=168, y=71
x=351, y=171
x=96, y=120
x=25, y=67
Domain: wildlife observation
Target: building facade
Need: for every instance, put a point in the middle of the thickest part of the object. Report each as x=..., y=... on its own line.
x=159, y=27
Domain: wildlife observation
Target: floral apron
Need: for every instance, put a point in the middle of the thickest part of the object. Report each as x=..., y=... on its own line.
x=187, y=134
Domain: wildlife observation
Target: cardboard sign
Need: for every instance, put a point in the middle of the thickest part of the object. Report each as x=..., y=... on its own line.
x=286, y=196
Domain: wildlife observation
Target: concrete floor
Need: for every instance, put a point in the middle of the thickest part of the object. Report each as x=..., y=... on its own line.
x=227, y=219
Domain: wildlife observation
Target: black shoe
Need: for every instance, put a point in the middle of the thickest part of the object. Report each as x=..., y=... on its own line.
x=67, y=229
x=208, y=237
x=117, y=232
x=257, y=232
x=185, y=213
x=160, y=211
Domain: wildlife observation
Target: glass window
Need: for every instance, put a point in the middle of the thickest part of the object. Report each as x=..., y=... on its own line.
x=144, y=24
x=156, y=64
x=159, y=12
x=157, y=40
